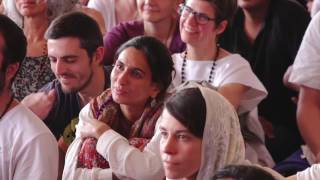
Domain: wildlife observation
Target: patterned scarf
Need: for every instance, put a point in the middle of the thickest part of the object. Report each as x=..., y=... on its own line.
x=138, y=133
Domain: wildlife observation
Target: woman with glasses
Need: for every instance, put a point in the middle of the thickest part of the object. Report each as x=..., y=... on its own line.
x=201, y=23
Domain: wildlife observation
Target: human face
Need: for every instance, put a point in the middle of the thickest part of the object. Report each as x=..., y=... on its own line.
x=131, y=79
x=191, y=31
x=157, y=10
x=70, y=63
x=30, y=8
x=180, y=150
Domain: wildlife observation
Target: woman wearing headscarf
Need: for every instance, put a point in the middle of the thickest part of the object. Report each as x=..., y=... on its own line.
x=116, y=126
x=201, y=23
x=200, y=133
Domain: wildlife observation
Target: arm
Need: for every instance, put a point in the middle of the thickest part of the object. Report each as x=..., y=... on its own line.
x=124, y=160
x=233, y=92
x=308, y=116
x=38, y=159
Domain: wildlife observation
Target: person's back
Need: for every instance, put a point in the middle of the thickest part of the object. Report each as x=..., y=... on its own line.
x=28, y=150
x=270, y=49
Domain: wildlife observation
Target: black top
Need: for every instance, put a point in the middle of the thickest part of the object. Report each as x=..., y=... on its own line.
x=273, y=51
x=65, y=111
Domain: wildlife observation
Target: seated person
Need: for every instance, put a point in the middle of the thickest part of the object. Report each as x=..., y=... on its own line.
x=242, y=172
x=128, y=110
x=268, y=33
x=200, y=133
x=305, y=75
x=231, y=74
x=28, y=150
x=75, y=50
x=159, y=20
x=115, y=11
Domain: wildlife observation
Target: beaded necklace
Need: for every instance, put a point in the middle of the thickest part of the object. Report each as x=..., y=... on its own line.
x=7, y=107
x=184, y=63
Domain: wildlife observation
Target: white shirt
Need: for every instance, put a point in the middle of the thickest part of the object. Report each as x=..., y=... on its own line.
x=230, y=69
x=28, y=150
x=312, y=173
x=125, y=160
x=306, y=67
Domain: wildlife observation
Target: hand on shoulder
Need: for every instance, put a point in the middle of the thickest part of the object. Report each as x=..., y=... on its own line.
x=40, y=103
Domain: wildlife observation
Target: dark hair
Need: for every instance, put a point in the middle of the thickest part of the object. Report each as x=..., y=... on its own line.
x=159, y=60
x=224, y=9
x=242, y=172
x=15, y=43
x=78, y=25
x=189, y=108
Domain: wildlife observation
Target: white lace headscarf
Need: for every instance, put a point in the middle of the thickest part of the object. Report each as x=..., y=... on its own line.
x=55, y=9
x=222, y=142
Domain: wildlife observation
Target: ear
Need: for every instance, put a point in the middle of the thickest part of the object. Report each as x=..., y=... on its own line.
x=98, y=55
x=11, y=71
x=155, y=90
x=221, y=27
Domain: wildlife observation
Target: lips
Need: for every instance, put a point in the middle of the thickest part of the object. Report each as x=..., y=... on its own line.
x=170, y=165
x=65, y=79
x=190, y=30
x=148, y=8
x=120, y=91
x=28, y=4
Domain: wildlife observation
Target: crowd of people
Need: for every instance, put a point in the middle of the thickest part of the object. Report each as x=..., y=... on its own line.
x=159, y=89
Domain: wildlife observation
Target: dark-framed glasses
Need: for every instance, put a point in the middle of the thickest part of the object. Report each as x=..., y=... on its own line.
x=201, y=18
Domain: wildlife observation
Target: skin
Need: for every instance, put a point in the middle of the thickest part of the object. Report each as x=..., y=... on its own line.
x=201, y=44
x=308, y=115
x=35, y=23
x=131, y=87
x=180, y=149
x=159, y=17
x=70, y=63
x=31, y=8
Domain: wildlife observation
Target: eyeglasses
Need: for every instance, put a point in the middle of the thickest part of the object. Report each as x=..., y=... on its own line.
x=201, y=18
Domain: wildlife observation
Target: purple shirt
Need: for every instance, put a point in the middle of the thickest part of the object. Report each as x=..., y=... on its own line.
x=127, y=30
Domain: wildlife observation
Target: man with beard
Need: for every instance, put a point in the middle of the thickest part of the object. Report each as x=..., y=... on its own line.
x=75, y=50
x=28, y=150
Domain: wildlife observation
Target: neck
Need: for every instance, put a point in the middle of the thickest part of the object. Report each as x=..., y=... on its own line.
x=95, y=87
x=126, y=10
x=132, y=113
x=35, y=27
x=202, y=53
x=254, y=21
x=162, y=30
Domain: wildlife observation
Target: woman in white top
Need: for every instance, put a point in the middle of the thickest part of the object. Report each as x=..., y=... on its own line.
x=201, y=23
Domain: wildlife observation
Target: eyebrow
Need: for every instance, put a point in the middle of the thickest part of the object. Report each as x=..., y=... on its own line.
x=176, y=132
x=133, y=68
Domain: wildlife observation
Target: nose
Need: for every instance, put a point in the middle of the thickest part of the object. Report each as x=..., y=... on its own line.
x=58, y=67
x=191, y=19
x=169, y=145
x=123, y=77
